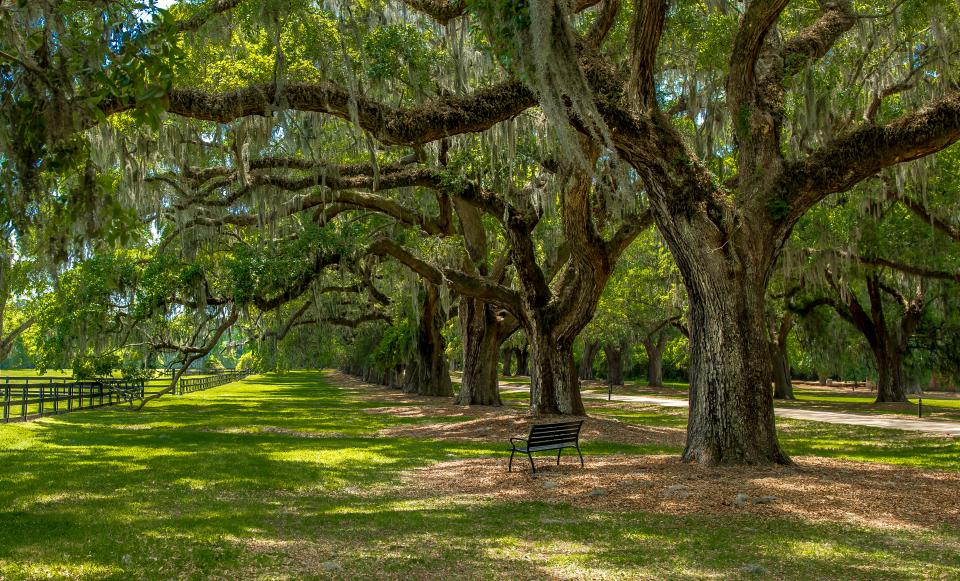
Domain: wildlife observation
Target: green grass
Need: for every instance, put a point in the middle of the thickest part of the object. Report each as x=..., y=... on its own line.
x=54, y=373
x=869, y=444
x=936, y=406
x=804, y=438
x=272, y=476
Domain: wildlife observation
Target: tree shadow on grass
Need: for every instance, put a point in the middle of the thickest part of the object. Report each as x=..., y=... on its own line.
x=199, y=486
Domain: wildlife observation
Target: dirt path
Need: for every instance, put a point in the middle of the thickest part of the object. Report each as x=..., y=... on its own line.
x=939, y=428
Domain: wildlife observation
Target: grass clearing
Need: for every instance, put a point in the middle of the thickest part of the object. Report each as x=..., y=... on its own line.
x=936, y=406
x=31, y=373
x=289, y=477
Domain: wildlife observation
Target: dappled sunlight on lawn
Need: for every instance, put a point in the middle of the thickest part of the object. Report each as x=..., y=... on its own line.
x=289, y=477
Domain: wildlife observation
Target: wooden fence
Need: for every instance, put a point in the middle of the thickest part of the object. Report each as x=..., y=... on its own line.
x=29, y=398
x=192, y=384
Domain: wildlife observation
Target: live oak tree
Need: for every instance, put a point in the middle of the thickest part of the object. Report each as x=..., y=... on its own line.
x=780, y=323
x=936, y=205
x=120, y=309
x=725, y=112
x=554, y=296
x=791, y=150
x=642, y=303
x=880, y=263
x=21, y=280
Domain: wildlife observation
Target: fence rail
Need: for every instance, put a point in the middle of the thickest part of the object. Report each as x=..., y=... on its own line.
x=29, y=398
x=23, y=398
x=192, y=384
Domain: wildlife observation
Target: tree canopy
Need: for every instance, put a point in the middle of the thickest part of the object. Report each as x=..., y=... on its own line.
x=366, y=183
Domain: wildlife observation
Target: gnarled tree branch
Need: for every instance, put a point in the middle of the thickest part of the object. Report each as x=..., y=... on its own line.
x=441, y=117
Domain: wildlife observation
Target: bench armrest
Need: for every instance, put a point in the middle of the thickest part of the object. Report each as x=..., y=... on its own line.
x=512, y=440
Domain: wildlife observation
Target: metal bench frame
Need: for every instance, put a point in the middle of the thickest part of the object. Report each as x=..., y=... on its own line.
x=542, y=437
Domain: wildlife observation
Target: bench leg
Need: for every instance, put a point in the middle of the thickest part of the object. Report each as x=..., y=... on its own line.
x=532, y=467
x=510, y=464
x=581, y=456
x=558, y=456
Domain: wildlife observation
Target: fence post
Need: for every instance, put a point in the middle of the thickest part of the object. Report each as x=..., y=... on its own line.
x=23, y=401
x=6, y=401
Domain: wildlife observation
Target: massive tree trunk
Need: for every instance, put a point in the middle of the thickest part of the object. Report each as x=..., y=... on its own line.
x=891, y=387
x=614, y=354
x=731, y=418
x=507, y=356
x=590, y=349
x=654, y=351
x=523, y=360
x=887, y=343
x=731, y=409
x=478, y=331
x=427, y=374
x=780, y=363
x=779, y=360
x=555, y=387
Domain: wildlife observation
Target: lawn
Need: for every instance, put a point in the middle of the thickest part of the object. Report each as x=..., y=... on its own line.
x=936, y=406
x=287, y=477
x=32, y=373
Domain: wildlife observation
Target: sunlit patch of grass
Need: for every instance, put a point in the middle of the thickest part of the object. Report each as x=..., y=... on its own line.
x=282, y=476
x=48, y=374
x=935, y=406
x=798, y=437
x=869, y=444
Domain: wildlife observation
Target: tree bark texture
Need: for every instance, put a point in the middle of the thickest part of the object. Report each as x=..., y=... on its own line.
x=654, y=350
x=523, y=360
x=780, y=360
x=555, y=387
x=614, y=353
x=426, y=373
x=891, y=386
x=478, y=331
x=780, y=363
x=731, y=418
x=590, y=349
x=507, y=356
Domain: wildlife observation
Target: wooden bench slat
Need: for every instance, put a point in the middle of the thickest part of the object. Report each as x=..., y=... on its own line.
x=552, y=430
x=535, y=443
x=565, y=434
x=549, y=429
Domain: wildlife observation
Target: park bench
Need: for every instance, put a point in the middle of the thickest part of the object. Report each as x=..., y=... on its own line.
x=547, y=437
